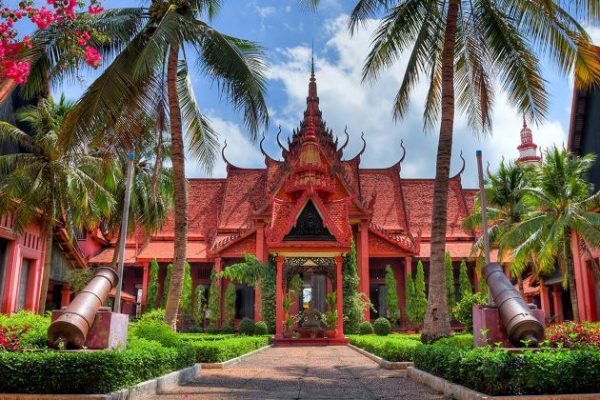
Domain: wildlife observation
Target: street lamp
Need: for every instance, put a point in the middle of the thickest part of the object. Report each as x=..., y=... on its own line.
x=126, y=202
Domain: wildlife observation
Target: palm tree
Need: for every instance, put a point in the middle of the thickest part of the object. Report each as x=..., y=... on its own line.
x=152, y=74
x=152, y=190
x=505, y=194
x=462, y=47
x=561, y=204
x=46, y=181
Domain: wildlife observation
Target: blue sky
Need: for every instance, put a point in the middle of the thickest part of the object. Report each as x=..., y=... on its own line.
x=286, y=31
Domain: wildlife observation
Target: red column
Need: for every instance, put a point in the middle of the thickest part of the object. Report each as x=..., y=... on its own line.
x=278, y=299
x=65, y=296
x=13, y=271
x=583, y=299
x=340, y=296
x=33, y=286
x=557, y=302
x=545, y=300
x=260, y=256
x=145, y=279
x=364, y=262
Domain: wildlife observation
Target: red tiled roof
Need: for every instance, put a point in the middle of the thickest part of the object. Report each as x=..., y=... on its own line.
x=164, y=251
x=105, y=257
x=383, y=187
x=126, y=297
x=245, y=188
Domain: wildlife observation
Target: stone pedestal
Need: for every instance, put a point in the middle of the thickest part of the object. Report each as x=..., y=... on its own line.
x=487, y=326
x=109, y=330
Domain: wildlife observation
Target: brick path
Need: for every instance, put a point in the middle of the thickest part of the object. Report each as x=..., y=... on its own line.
x=303, y=373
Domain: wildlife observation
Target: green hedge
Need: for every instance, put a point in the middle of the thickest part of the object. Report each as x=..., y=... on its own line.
x=498, y=372
x=89, y=372
x=391, y=348
x=212, y=351
x=36, y=327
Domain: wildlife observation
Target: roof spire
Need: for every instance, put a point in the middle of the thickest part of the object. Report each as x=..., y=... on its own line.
x=312, y=59
x=527, y=148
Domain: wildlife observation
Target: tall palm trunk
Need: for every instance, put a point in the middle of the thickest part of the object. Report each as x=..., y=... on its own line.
x=115, y=257
x=47, y=267
x=180, y=194
x=437, y=320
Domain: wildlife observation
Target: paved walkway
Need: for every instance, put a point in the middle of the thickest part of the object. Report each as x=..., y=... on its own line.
x=303, y=373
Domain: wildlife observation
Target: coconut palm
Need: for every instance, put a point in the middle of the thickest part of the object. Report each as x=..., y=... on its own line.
x=561, y=205
x=152, y=186
x=462, y=47
x=46, y=181
x=505, y=192
x=152, y=74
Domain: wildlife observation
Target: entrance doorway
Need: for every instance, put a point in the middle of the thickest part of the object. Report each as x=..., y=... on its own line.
x=377, y=295
x=312, y=294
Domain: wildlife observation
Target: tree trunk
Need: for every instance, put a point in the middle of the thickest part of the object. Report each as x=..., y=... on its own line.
x=46, y=271
x=180, y=194
x=572, y=284
x=437, y=320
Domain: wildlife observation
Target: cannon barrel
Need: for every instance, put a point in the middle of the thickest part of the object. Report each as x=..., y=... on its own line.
x=72, y=327
x=515, y=314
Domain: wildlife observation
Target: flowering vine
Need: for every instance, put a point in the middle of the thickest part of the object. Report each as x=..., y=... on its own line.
x=69, y=18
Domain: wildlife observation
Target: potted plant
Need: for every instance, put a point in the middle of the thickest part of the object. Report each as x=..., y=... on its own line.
x=330, y=318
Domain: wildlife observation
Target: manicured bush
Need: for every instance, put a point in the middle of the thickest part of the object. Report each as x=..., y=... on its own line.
x=159, y=331
x=465, y=283
x=420, y=302
x=382, y=326
x=393, y=348
x=463, y=311
x=450, y=290
x=199, y=310
x=229, y=307
x=366, y=328
x=391, y=296
x=260, y=328
x=90, y=372
x=166, y=284
x=353, y=299
x=498, y=372
x=247, y=327
x=185, y=304
x=152, y=296
x=212, y=351
x=214, y=301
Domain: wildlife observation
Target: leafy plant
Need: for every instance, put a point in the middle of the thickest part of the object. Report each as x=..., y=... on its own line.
x=420, y=301
x=330, y=318
x=199, y=310
x=366, y=328
x=229, y=306
x=260, y=328
x=391, y=296
x=382, y=326
x=354, y=305
x=186, y=295
x=77, y=278
x=214, y=302
x=465, y=283
x=166, y=284
x=247, y=327
x=463, y=310
x=152, y=297
x=331, y=300
x=30, y=328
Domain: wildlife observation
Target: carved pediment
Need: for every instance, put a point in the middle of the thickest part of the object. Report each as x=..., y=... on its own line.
x=309, y=226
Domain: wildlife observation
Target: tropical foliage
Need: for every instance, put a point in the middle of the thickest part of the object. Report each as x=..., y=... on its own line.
x=354, y=307
x=461, y=47
x=391, y=296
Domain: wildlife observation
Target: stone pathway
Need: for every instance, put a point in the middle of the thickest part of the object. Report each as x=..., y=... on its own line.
x=303, y=373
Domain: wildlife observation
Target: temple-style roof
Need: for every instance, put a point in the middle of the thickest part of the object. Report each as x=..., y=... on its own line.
x=314, y=183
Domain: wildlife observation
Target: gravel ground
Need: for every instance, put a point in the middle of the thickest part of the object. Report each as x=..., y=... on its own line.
x=303, y=373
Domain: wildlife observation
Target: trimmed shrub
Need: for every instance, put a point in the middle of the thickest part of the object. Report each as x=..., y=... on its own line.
x=247, y=327
x=382, y=326
x=391, y=296
x=199, y=310
x=420, y=302
x=463, y=311
x=185, y=304
x=366, y=328
x=395, y=348
x=450, y=290
x=158, y=331
x=212, y=351
x=260, y=328
x=353, y=299
x=214, y=302
x=229, y=307
x=90, y=372
x=152, y=296
x=166, y=284
x=465, y=283
x=498, y=372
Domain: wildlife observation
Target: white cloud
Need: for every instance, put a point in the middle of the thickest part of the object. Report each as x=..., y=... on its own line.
x=240, y=151
x=264, y=12
x=345, y=101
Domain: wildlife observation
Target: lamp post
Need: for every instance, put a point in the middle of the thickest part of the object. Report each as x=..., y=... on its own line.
x=126, y=202
x=484, y=221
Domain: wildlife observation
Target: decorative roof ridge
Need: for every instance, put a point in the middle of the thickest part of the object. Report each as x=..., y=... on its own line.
x=408, y=244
